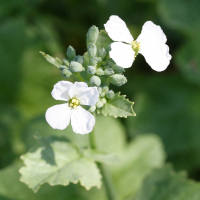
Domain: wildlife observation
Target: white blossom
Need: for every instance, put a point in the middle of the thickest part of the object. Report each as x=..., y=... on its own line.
x=76, y=94
x=150, y=43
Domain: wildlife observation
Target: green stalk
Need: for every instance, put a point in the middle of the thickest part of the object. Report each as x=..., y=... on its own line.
x=107, y=180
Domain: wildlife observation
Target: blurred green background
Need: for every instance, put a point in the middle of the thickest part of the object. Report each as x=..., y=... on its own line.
x=167, y=103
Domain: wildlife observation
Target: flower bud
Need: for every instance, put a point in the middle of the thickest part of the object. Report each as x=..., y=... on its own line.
x=62, y=67
x=92, y=109
x=71, y=53
x=102, y=94
x=103, y=100
x=105, y=88
x=117, y=79
x=99, y=104
x=102, y=53
x=85, y=60
x=108, y=72
x=66, y=73
x=93, y=61
x=92, y=50
x=110, y=94
x=75, y=67
x=92, y=35
x=91, y=69
x=66, y=62
x=100, y=71
x=117, y=69
x=79, y=59
x=95, y=81
x=99, y=60
x=99, y=90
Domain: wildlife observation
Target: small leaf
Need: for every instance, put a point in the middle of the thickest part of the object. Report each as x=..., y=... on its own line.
x=165, y=184
x=59, y=166
x=54, y=61
x=103, y=40
x=118, y=106
x=100, y=156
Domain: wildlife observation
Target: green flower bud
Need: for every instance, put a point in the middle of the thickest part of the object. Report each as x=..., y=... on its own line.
x=91, y=69
x=102, y=53
x=99, y=104
x=95, y=81
x=103, y=100
x=62, y=67
x=102, y=94
x=117, y=69
x=110, y=94
x=75, y=67
x=105, y=89
x=66, y=62
x=85, y=60
x=71, y=53
x=92, y=35
x=92, y=109
x=99, y=90
x=93, y=61
x=108, y=71
x=100, y=71
x=117, y=79
x=66, y=73
x=79, y=59
x=92, y=50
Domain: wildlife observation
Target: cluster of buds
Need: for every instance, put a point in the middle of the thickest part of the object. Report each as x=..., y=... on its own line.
x=95, y=67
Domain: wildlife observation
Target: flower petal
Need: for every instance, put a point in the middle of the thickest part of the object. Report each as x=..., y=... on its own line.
x=88, y=96
x=59, y=91
x=152, y=46
x=82, y=121
x=76, y=87
x=122, y=54
x=156, y=55
x=151, y=32
x=117, y=30
x=58, y=116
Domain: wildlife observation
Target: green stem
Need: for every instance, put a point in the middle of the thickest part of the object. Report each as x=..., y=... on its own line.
x=105, y=173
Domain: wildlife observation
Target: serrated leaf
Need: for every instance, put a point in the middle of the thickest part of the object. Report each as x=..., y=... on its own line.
x=167, y=185
x=99, y=156
x=118, y=106
x=12, y=189
x=54, y=61
x=103, y=40
x=58, y=162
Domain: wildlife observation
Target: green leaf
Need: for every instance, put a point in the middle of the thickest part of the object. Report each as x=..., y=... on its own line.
x=110, y=135
x=54, y=61
x=182, y=17
x=58, y=162
x=118, y=106
x=188, y=60
x=99, y=156
x=166, y=184
x=11, y=188
x=162, y=109
x=139, y=158
x=103, y=40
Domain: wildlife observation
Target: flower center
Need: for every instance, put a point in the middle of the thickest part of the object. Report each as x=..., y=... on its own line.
x=135, y=47
x=74, y=103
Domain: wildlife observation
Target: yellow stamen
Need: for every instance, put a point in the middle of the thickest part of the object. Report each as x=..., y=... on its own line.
x=74, y=103
x=135, y=47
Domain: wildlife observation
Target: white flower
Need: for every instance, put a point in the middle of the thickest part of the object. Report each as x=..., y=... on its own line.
x=76, y=94
x=150, y=43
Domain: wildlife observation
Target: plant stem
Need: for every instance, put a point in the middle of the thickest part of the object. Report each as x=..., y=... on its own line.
x=105, y=173
x=107, y=182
